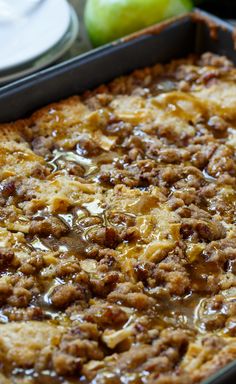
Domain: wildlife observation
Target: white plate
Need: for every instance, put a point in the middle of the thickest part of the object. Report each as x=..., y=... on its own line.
x=45, y=58
x=29, y=28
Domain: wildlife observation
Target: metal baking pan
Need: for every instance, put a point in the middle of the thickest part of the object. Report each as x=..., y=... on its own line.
x=195, y=32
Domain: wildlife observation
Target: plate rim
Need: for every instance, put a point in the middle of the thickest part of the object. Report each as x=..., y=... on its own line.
x=49, y=56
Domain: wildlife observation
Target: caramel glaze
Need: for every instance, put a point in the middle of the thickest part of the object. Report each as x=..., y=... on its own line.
x=150, y=236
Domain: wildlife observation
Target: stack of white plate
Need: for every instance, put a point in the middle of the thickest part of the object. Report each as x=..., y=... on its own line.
x=33, y=34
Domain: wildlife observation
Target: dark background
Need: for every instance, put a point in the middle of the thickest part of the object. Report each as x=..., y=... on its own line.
x=222, y=8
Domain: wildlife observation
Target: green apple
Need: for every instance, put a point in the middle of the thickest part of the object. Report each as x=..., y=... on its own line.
x=107, y=20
